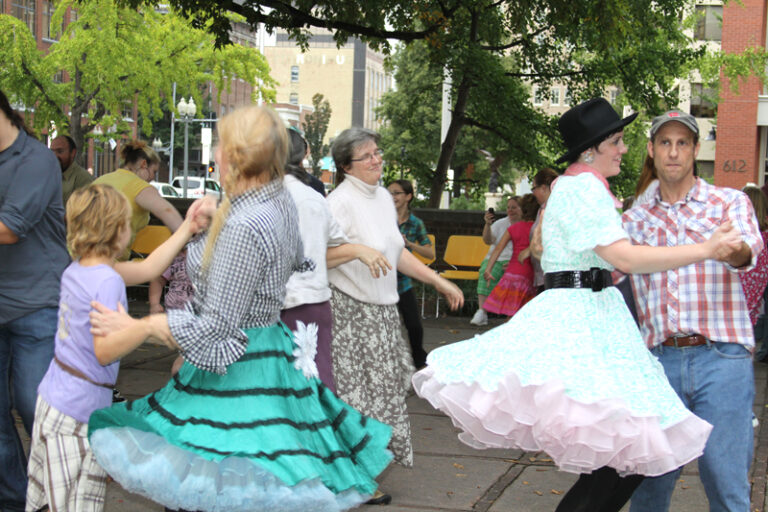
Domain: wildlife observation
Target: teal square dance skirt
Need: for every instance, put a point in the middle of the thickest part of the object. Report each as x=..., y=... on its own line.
x=261, y=437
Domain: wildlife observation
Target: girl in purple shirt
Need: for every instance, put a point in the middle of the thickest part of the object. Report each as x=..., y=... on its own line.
x=62, y=471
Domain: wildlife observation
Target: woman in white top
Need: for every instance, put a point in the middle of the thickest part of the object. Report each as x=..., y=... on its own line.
x=371, y=363
x=308, y=297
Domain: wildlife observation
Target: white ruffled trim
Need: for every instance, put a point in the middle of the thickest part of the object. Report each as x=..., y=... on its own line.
x=580, y=437
x=305, y=338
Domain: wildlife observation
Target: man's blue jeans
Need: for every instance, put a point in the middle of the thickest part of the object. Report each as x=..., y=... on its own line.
x=26, y=350
x=716, y=383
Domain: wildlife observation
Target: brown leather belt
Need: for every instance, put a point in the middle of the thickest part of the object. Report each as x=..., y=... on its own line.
x=691, y=340
x=80, y=375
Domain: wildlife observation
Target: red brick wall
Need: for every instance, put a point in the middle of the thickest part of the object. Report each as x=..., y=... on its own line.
x=738, y=148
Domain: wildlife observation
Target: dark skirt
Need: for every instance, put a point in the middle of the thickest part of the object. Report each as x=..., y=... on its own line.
x=319, y=314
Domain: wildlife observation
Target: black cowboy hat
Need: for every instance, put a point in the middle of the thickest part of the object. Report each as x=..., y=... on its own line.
x=588, y=123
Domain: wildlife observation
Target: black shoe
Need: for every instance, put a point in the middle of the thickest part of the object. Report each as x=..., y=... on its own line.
x=379, y=498
x=117, y=397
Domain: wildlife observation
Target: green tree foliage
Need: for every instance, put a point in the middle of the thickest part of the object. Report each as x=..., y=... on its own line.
x=315, y=127
x=411, y=133
x=114, y=56
x=495, y=51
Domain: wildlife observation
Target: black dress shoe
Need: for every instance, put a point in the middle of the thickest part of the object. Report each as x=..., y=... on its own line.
x=379, y=498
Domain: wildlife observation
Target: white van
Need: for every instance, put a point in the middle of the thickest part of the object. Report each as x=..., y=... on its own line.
x=165, y=189
x=197, y=187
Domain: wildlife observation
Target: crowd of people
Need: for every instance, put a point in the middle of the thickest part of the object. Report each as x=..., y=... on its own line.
x=289, y=311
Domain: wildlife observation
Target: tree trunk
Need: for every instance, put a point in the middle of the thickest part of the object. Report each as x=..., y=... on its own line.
x=449, y=144
x=76, y=119
x=454, y=129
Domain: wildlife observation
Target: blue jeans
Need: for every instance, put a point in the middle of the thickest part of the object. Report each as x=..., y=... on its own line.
x=26, y=350
x=716, y=383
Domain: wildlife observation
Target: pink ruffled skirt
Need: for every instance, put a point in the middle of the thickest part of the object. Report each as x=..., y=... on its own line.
x=512, y=292
x=568, y=375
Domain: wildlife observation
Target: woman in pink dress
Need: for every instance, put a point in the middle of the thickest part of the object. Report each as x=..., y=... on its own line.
x=515, y=288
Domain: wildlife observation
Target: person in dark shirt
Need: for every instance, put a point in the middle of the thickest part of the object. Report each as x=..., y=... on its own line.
x=33, y=255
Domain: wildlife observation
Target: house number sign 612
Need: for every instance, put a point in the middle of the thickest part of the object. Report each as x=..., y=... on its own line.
x=735, y=166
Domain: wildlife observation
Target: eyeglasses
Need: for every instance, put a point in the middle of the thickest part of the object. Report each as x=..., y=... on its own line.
x=397, y=193
x=368, y=157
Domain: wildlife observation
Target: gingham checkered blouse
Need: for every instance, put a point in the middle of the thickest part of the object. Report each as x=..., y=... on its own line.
x=257, y=250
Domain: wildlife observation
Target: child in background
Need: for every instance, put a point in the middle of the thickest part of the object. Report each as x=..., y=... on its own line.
x=179, y=288
x=179, y=293
x=62, y=471
x=515, y=288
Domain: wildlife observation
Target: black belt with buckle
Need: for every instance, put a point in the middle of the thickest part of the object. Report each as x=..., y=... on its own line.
x=595, y=278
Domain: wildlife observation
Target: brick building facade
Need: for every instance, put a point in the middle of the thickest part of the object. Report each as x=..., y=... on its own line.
x=742, y=118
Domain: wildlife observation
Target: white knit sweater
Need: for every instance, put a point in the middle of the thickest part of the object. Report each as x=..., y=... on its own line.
x=366, y=213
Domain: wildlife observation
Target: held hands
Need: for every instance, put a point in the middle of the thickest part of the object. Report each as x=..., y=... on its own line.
x=200, y=213
x=453, y=295
x=156, y=308
x=724, y=243
x=524, y=255
x=377, y=263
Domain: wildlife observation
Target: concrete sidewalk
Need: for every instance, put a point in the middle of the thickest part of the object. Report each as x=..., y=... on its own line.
x=447, y=475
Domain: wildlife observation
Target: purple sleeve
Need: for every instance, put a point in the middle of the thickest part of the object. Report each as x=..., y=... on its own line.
x=111, y=292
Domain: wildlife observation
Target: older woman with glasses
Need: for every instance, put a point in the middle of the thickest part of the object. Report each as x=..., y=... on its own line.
x=371, y=361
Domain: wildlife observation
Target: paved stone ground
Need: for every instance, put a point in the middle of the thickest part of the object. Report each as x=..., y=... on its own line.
x=448, y=476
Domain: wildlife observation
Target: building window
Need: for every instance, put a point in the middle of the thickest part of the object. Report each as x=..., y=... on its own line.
x=567, y=97
x=703, y=101
x=554, y=97
x=294, y=73
x=58, y=78
x=48, y=31
x=294, y=98
x=709, y=22
x=128, y=111
x=614, y=96
x=25, y=11
x=538, y=96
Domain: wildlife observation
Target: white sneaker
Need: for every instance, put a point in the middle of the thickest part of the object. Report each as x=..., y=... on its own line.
x=480, y=318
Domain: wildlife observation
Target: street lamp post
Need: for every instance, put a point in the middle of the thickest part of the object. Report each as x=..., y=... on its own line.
x=157, y=145
x=187, y=111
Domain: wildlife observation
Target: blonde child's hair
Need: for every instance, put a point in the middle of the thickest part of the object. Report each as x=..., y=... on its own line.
x=96, y=218
x=254, y=141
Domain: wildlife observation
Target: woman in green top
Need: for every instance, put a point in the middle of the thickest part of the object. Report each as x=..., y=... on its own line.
x=140, y=165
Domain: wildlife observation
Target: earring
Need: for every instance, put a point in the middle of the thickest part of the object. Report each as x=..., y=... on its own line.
x=588, y=157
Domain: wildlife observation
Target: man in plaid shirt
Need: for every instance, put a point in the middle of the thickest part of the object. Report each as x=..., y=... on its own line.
x=695, y=318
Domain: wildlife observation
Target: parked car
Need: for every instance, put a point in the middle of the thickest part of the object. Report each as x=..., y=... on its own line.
x=197, y=187
x=165, y=189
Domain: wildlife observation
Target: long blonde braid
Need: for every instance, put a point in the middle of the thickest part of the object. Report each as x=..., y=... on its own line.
x=254, y=141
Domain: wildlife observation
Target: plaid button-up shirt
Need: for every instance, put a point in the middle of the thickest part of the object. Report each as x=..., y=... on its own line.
x=705, y=298
x=415, y=231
